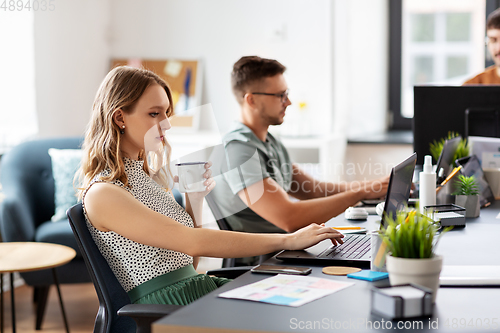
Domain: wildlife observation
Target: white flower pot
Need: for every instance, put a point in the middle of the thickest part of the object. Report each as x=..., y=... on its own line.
x=424, y=272
x=470, y=203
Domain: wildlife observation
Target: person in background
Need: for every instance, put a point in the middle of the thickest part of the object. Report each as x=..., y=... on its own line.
x=151, y=243
x=254, y=173
x=492, y=74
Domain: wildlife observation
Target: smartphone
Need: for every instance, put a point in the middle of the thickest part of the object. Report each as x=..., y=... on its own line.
x=273, y=269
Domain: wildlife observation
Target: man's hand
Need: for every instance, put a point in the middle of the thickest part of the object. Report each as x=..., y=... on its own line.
x=372, y=189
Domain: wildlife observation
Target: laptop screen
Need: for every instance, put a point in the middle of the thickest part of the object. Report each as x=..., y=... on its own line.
x=399, y=188
x=446, y=158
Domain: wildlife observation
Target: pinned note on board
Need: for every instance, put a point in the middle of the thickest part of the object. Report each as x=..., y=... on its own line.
x=184, y=77
x=173, y=68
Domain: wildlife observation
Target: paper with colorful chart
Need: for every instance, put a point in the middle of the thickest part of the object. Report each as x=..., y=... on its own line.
x=289, y=290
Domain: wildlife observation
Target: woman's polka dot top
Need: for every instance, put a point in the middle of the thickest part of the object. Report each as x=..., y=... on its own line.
x=134, y=263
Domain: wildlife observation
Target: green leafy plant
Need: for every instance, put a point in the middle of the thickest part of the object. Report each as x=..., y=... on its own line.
x=436, y=147
x=466, y=186
x=411, y=235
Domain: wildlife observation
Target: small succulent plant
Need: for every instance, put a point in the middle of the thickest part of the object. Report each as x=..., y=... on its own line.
x=466, y=186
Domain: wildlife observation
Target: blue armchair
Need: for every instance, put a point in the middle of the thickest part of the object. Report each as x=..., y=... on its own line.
x=25, y=212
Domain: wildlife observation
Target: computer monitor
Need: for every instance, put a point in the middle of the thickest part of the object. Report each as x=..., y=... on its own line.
x=482, y=122
x=439, y=110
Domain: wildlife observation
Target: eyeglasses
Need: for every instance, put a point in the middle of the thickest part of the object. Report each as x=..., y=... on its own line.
x=283, y=96
x=491, y=41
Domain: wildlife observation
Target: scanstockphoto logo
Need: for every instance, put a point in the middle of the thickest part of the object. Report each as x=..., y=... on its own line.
x=240, y=164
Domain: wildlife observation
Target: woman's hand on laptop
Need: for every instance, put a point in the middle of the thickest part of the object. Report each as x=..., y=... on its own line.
x=311, y=235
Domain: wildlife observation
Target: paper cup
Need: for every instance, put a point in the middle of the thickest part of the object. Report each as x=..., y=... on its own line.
x=493, y=179
x=191, y=177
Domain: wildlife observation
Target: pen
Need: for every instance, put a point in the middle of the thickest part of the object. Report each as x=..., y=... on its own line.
x=346, y=228
x=452, y=174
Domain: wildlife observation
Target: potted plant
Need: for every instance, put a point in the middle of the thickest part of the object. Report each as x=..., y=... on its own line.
x=411, y=239
x=467, y=195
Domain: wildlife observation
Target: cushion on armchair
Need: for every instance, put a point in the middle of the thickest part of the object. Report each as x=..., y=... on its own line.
x=28, y=186
x=65, y=164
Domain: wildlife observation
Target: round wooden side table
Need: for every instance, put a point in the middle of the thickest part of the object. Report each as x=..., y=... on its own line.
x=31, y=256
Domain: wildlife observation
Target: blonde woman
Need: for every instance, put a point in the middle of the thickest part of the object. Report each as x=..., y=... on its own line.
x=150, y=242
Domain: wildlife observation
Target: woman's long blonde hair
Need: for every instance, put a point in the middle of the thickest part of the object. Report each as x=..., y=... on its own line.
x=120, y=89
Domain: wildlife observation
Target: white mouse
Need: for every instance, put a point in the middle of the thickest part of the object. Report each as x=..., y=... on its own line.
x=380, y=209
x=356, y=213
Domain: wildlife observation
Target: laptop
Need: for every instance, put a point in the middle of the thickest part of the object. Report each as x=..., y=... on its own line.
x=356, y=250
x=446, y=159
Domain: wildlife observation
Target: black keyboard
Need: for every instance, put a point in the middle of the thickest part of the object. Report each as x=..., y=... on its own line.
x=354, y=247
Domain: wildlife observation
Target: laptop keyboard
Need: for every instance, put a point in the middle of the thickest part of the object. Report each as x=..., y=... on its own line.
x=354, y=247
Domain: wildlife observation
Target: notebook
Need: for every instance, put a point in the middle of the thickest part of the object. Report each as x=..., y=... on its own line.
x=356, y=248
x=467, y=276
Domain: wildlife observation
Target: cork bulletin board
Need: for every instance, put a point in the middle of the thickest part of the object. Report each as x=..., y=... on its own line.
x=183, y=78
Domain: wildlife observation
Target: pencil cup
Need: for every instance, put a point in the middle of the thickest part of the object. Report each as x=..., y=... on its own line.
x=191, y=177
x=378, y=253
x=493, y=178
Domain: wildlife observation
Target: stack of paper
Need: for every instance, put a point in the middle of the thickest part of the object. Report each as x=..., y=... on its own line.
x=404, y=301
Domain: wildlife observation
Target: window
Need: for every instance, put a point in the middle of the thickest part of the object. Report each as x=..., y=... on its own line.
x=17, y=83
x=436, y=42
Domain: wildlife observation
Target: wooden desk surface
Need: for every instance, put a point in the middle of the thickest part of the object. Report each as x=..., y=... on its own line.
x=33, y=256
x=456, y=310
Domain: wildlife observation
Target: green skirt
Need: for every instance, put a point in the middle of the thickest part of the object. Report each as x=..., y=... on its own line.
x=179, y=287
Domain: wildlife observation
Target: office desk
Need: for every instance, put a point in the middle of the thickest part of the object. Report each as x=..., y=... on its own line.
x=349, y=309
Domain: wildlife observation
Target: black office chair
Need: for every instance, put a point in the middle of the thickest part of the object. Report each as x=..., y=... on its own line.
x=115, y=310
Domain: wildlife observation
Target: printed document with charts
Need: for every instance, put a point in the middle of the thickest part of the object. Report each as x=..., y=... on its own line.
x=290, y=290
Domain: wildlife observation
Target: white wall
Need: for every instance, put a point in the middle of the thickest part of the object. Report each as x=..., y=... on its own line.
x=373, y=161
x=17, y=79
x=335, y=51
x=71, y=59
x=221, y=31
x=360, y=66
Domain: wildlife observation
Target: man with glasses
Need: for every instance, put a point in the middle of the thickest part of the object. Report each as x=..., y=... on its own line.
x=253, y=171
x=492, y=74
